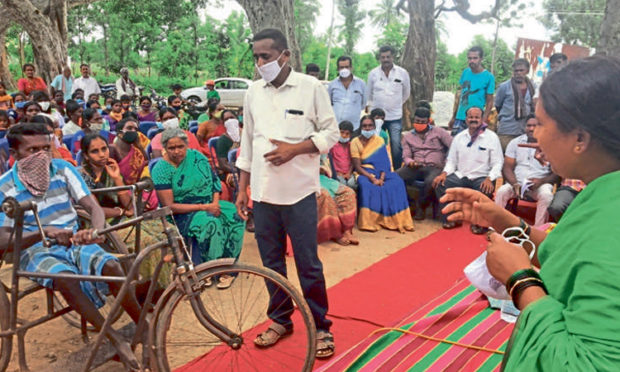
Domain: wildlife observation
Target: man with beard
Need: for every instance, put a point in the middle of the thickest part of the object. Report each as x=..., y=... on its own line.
x=474, y=161
x=424, y=155
x=477, y=88
x=524, y=175
x=514, y=102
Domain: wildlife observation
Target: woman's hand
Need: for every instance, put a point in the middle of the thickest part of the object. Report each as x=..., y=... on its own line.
x=212, y=208
x=475, y=207
x=504, y=258
x=128, y=212
x=112, y=169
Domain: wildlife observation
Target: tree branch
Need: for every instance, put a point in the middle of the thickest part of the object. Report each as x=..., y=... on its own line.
x=462, y=8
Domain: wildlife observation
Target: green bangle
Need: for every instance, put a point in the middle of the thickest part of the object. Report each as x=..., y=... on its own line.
x=521, y=274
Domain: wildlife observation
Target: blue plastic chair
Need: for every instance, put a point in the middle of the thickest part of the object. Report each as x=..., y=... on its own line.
x=2, y=133
x=152, y=163
x=212, y=144
x=153, y=132
x=193, y=129
x=146, y=125
x=68, y=141
x=193, y=123
x=232, y=155
x=78, y=157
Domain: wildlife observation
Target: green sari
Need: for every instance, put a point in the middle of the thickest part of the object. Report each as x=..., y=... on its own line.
x=193, y=182
x=577, y=326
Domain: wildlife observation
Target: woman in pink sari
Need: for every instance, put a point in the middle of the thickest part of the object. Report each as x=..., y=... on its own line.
x=131, y=158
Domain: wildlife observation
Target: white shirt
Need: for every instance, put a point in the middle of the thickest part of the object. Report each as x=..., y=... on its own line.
x=296, y=111
x=484, y=158
x=88, y=85
x=388, y=92
x=70, y=129
x=527, y=166
x=128, y=89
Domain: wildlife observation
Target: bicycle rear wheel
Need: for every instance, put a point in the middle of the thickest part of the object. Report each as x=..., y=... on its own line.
x=242, y=308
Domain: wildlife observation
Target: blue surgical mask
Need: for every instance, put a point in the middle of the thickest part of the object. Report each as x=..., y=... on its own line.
x=368, y=133
x=344, y=140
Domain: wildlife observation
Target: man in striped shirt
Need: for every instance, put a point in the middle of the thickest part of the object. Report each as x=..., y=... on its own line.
x=54, y=185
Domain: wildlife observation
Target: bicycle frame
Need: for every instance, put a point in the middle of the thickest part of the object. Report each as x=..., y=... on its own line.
x=186, y=281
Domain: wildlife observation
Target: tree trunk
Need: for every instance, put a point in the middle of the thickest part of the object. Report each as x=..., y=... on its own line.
x=274, y=14
x=5, y=74
x=420, y=54
x=609, y=42
x=329, y=39
x=48, y=45
x=106, y=56
x=494, y=47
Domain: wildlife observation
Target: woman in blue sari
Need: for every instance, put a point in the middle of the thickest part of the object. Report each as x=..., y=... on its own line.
x=382, y=197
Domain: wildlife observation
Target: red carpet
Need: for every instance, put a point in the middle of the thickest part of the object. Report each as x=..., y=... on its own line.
x=393, y=288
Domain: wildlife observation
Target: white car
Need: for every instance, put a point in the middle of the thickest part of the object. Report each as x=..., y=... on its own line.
x=231, y=90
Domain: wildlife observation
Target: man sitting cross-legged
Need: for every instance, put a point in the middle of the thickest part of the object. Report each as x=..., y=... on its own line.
x=525, y=175
x=53, y=184
x=474, y=161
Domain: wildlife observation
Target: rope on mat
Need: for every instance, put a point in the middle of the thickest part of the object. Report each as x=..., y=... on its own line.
x=443, y=340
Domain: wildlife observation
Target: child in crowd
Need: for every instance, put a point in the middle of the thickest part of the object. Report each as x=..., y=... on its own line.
x=126, y=103
x=6, y=101
x=5, y=120
x=341, y=156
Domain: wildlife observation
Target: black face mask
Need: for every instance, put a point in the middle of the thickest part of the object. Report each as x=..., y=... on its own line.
x=130, y=137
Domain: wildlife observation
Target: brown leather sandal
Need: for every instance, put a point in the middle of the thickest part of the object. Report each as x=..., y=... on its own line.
x=272, y=335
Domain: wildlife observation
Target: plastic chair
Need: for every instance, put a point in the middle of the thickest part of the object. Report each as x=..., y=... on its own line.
x=193, y=129
x=212, y=144
x=232, y=155
x=149, y=151
x=193, y=123
x=78, y=157
x=153, y=132
x=146, y=125
x=2, y=133
x=152, y=163
x=68, y=141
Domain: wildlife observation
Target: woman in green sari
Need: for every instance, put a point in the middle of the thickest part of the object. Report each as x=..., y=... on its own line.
x=186, y=183
x=570, y=310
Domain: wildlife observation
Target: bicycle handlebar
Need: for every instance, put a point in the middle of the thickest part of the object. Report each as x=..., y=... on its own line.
x=10, y=206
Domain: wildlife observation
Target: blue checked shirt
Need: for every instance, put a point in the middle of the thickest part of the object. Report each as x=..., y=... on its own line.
x=348, y=103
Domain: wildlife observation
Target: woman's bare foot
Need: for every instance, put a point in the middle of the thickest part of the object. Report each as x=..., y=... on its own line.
x=352, y=239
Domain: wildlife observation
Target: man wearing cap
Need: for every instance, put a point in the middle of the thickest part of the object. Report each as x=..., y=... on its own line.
x=211, y=92
x=126, y=86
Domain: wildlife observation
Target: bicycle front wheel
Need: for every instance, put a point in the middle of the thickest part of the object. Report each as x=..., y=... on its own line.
x=242, y=309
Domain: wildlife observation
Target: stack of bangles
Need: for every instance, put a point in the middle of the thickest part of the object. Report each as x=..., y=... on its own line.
x=522, y=279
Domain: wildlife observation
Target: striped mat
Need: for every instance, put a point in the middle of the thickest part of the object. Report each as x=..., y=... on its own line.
x=461, y=314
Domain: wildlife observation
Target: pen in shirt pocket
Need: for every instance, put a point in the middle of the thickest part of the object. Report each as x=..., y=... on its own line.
x=292, y=112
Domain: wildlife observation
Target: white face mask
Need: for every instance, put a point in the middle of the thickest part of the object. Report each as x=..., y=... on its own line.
x=55, y=140
x=232, y=129
x=378, y=124
x=171, y=123
x=96, y=127
x=344, y=73
x=44, y=105
x=270, y=71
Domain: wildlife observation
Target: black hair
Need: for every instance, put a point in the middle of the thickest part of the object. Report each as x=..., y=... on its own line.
x=130, y=114
x=312, y=67
x=88, y=139
x=478, y=50
x=19, y=94
x=56, y=91
x=176, y=86
x=43, y=119
x=585, y=94
x=212, y=104
x=4, y=115
x=531, y=115
x=28, y=104
x=558, y=56
x=377, y=112
x=28, y=65
x=227, y=110
x=424, y=103
x=39, y=95
x=346, y=125
x=167, y=109
x=121, y=124
x=279, y=40
x=76, y=93
x=71, y=106
x=115, y=101
x=16, y=132
x=422, y=112
x=522, y=62
x=344, y=58
x=172, y=98
x=477, y=107
x=89, y=103
x=88, y=113
x=84, y=64
x=386, y=48
x=125, y=98
x=145, y=98
x=365, y=117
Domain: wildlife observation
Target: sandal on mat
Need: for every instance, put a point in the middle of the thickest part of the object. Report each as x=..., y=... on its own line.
x=272, y=335
x=324, y=344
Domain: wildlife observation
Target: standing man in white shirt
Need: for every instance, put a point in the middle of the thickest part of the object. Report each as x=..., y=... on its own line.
x=126, y=86
x=388, y=88
x=288, y=122
x=347, y=93
x=88, y=84
x=474, y=161
x=523, y=171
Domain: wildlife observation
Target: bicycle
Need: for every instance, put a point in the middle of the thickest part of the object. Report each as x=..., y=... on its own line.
x=226, y=319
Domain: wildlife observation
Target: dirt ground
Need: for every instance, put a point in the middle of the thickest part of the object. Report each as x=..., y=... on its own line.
x=47, y=345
